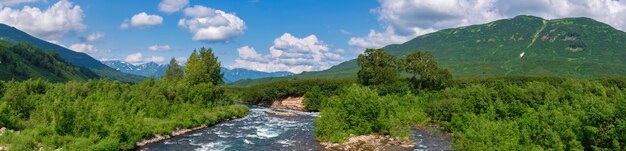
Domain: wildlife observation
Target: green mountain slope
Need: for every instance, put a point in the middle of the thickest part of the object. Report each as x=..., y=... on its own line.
x=23, y=61
x=13, y=35
x=521, y=46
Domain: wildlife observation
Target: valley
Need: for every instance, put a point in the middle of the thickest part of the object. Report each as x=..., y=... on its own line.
x=501, y=82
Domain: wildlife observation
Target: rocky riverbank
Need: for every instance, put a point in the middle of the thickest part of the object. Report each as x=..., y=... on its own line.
x=289, y=103
x=373, y=142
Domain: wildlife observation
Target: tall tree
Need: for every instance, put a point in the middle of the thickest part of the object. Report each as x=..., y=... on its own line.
x=204, y=67
x=193, y=69
x=377, y=67
x=211, y=66
x=174, y=71
x=424, y=65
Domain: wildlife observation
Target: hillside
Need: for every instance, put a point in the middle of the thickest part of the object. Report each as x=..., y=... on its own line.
x=157, y=70
x=13, y=35
x=521, y=46
x=23, y=61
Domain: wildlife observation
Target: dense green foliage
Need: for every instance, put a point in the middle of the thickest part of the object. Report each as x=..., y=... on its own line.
x=520, y=46
x=377, y=68
x=360, y=110
x=203, y=67
x=267, y=93
x=427, y=75
x=105, y=115
x=494, y=114
x=23, y=61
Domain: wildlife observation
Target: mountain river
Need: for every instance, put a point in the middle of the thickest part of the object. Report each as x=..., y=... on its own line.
x=264, y=131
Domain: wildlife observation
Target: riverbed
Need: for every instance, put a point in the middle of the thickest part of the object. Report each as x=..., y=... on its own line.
x=261, y=130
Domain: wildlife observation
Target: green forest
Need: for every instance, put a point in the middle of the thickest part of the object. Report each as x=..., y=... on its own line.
x=111, y=115
x=503, y=113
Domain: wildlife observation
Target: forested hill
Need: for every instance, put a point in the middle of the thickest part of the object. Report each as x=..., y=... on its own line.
x=23, y=61
x=14, y=35
x=520, y=46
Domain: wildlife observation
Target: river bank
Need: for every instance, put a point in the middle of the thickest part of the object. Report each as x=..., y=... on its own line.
x=214, y=115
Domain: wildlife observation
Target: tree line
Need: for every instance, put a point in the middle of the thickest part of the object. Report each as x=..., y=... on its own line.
x=110, y=115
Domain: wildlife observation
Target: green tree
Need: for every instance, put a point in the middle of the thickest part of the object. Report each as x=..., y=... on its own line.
x=192, y=69
x=174, y=71
x=211, y=67
x=377, y=67
x=424, y=65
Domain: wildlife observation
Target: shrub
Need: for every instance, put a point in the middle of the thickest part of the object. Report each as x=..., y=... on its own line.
x=359, y=110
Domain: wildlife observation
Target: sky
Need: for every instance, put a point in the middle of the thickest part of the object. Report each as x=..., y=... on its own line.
x=268, y=35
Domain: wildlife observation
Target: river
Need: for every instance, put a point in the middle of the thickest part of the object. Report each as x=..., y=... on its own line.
x=264, y=131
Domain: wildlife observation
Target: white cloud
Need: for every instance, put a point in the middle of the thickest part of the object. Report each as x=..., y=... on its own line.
x=86, y=48
x=92, y=37
x=171, y=6
x=159, y=48
x=86, y=45
x=211, y=25
x=156, y=59
x=56, y=22
x=142, y=20
x=406, y=19
x=345, y=32
x=291, y=54
x=15, y=2
x=138, y=58
x=380, y=39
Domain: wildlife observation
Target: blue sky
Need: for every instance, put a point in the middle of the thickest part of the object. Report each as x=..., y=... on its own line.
x=276, y=35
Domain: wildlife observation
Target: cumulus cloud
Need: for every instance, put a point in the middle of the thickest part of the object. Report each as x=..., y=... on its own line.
x=171, y=6
x=159, y=48
x=406, y=19
x=15, y=2
x=379, y=39
x=142, y=20
x=52, y=24
x=139, y=58
x=92, y=37
x=86, y=45
x=211, y=25
x=86, y=48
x=291, y=54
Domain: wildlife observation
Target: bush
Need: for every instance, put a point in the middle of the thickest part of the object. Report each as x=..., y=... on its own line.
x=359, y=110
x=503, y=115
x=105, y=115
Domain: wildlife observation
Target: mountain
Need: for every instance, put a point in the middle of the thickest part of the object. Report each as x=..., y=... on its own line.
x=14, y=35
x=521, y=46
x=156, y=70
x=241, y=74
x=146, y=70
x=23, y=61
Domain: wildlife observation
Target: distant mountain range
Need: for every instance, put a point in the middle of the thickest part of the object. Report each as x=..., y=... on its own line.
x=146, y=70
x=13, y=35
x=237, y=74
x=157, y=70
x=521, y=46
